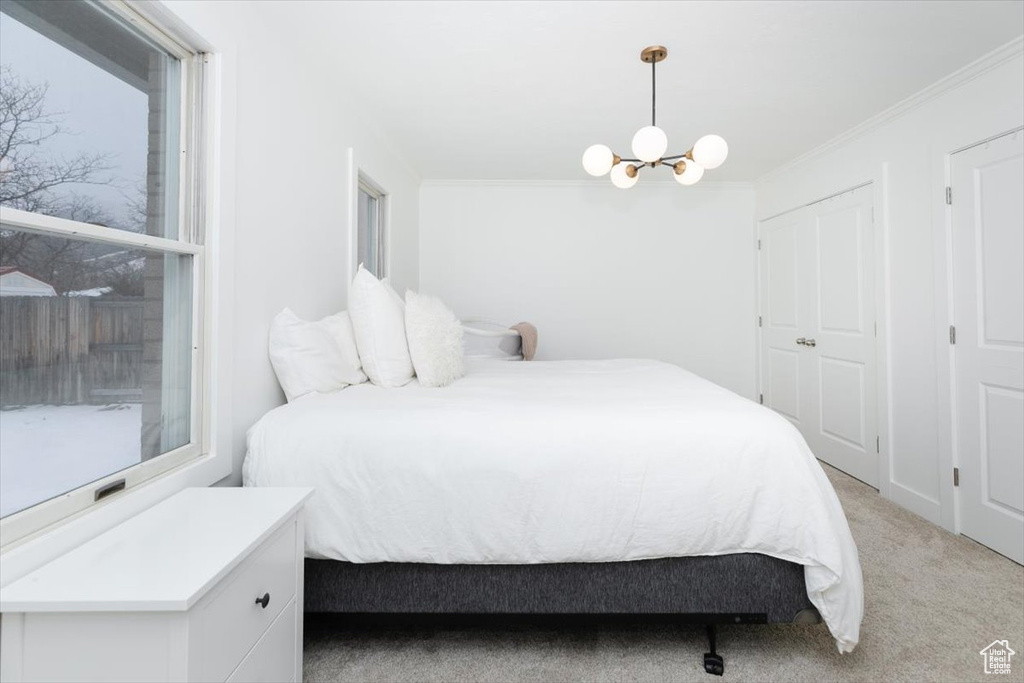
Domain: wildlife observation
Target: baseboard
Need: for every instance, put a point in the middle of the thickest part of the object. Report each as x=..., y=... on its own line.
x=917, y=503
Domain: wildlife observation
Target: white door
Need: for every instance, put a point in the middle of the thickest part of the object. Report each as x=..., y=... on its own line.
x=818, y=328
x=783, y=314
x=988, y=310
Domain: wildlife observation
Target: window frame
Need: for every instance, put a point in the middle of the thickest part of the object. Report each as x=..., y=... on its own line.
x=193, y=199
x=365, y=184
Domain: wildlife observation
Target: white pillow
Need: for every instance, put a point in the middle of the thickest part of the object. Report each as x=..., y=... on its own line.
x=435, y=340
x=313, y=356
x=378, y=319
x=393, y=294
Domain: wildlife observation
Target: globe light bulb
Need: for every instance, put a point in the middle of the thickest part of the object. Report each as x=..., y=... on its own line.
x=690, y=175
x=710, y=151
x=620, y=176
x=650, y=143
x=598, y=160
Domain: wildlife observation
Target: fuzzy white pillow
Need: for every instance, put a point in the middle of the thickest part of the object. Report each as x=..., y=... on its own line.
x=313, y=356
x=435, y=340
x=378, y=317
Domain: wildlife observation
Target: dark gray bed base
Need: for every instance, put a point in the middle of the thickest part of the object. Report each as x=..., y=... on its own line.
x=744, y=588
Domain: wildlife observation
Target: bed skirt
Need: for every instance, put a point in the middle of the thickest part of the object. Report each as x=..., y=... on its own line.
x=741, y=588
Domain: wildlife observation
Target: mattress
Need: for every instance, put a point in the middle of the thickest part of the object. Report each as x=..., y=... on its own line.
x=562, y=461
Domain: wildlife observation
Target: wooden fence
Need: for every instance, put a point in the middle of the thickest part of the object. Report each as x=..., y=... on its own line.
x=59, y=350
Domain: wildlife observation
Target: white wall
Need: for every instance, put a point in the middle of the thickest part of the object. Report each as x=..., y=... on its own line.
x=907, y=153
x=659, y=271
x=281, y=231
x=287, y=126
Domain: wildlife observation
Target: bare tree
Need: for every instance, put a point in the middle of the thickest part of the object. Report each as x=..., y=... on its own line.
x=27, y=178
x=32, y=180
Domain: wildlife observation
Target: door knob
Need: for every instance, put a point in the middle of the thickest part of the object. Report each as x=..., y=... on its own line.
x=810, y=342
x=801, y=341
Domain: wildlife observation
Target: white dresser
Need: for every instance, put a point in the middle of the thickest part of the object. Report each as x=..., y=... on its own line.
x=205, y=586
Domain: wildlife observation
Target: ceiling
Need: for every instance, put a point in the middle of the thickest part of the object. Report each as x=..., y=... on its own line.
x=517, y=90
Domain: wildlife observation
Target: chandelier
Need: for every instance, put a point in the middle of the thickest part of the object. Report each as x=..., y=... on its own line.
x=650, y=144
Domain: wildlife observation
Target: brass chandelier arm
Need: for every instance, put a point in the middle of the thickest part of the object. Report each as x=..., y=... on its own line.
x=677, y=167
x=686, y=155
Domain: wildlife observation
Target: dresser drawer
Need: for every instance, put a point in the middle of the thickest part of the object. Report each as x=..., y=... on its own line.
x=273, y=660
x=233, y=621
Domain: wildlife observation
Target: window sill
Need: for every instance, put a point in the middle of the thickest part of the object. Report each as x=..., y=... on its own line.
x=32, y=552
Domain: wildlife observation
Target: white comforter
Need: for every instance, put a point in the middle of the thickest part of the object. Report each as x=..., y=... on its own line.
x=569, y=461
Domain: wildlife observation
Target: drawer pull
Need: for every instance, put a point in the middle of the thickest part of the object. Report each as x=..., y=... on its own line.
x=264, y=601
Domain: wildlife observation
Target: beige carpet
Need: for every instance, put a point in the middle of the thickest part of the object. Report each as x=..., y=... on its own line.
x=933, y=600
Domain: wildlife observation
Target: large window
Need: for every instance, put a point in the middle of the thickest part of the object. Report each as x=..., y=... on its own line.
x=371, y=235
x=101, y=253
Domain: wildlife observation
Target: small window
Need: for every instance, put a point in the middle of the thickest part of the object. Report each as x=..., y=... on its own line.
x=101, y=247
x=372, y=231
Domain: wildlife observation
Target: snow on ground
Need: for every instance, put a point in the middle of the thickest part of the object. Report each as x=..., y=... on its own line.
x=48, y=450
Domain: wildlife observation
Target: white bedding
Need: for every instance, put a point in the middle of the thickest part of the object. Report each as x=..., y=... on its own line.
x=568, y=461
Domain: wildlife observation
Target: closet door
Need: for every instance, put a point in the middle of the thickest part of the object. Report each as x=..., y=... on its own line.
x=988, y=308
x=840, y=335
x=783, y=313
x=818, y=327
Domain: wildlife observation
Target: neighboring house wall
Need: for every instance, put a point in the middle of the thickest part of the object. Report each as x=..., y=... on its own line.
x=17, y=283
x=287, y=121
x=657, y=271
x=911, y=148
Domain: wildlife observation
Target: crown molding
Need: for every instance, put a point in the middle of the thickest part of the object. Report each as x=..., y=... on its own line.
x=712, y=185
x=980, y=66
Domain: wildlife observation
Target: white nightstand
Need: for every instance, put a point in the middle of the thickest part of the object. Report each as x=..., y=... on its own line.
x=205, y=586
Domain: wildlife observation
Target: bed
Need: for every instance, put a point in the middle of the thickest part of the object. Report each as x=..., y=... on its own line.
x=562, y=487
